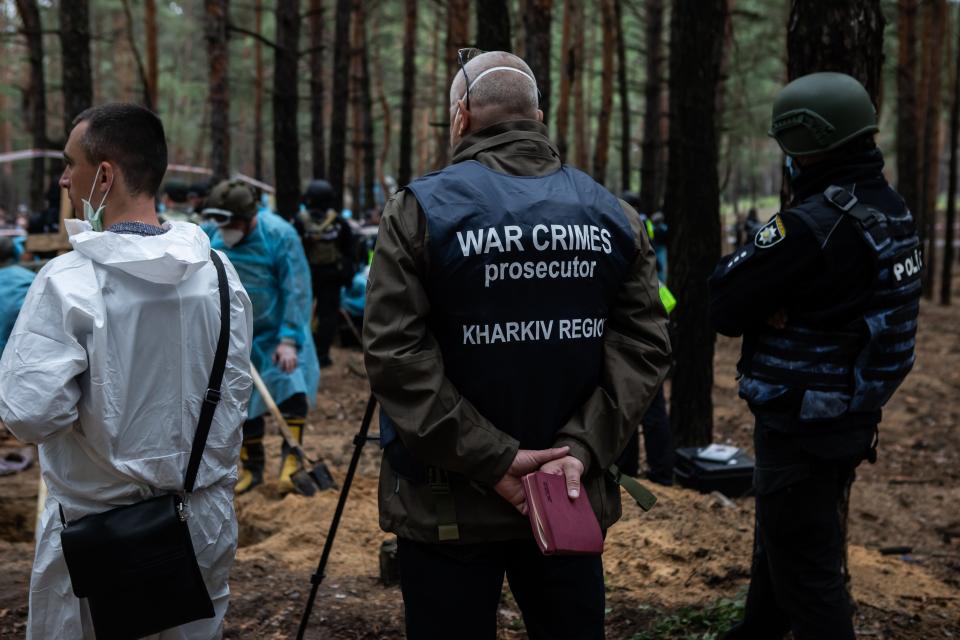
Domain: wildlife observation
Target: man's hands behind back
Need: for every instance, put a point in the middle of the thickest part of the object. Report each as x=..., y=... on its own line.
x=510, y=486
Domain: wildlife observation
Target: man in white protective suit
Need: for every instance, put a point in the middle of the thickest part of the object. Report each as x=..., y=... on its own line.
x=109, y=359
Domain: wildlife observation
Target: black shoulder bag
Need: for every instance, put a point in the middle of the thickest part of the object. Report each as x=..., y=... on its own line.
x=135, y=564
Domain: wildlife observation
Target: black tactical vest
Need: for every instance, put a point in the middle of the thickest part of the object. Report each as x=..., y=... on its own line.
x=856, y=368
x=522, y=273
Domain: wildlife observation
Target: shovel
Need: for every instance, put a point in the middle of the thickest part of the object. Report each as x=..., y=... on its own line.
x=304, y=481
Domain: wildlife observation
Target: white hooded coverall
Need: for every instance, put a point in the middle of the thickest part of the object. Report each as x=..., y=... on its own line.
x=105, y=370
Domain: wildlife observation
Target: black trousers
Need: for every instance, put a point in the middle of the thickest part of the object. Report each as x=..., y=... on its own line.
x=327, y=296
x=796, y=579
x=657, y=444
x=453, y=591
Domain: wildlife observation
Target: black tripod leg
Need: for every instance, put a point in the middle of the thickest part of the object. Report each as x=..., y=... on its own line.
x=317, y=578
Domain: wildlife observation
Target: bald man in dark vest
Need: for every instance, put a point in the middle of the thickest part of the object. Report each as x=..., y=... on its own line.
x=513, y=324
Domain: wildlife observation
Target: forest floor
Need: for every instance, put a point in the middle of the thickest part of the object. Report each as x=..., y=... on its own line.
x=671, y=572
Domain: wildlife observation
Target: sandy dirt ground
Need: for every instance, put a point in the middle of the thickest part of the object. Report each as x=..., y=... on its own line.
x=690, y=550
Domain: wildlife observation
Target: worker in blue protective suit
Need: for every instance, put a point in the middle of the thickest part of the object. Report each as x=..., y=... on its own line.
x=268, y=255
x=354, y=297
x=14, y=283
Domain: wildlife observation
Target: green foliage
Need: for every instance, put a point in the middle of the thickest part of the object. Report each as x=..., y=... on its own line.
x=692, y=623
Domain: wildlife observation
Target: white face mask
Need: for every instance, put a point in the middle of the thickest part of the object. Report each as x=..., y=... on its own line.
x=231, y=237
x=95, y=218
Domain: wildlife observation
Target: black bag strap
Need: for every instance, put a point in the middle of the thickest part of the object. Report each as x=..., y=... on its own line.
x=212, y=397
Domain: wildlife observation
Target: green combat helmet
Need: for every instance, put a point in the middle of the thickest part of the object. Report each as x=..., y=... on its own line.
x=229, y=200
x=820, y=112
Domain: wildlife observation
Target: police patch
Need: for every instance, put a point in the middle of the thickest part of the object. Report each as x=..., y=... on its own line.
x=770, y=233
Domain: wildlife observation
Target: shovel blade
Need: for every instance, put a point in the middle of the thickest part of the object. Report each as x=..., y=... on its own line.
x=322, y=478
x=303, y=483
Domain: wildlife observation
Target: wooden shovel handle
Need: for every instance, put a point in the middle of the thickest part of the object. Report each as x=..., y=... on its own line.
x=273, y=408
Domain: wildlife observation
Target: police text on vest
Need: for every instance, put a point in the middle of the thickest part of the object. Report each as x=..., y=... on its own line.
x=909, y=266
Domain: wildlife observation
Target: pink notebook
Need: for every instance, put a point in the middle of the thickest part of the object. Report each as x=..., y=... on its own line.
x=561, y=526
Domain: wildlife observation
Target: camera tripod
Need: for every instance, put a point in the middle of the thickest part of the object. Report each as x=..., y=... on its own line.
x=359, y=440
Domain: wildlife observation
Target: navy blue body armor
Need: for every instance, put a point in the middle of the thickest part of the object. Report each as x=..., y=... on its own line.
x=855, y=368
x=522, y=273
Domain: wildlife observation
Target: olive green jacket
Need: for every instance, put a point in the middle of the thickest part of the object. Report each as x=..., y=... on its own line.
x=443, y=429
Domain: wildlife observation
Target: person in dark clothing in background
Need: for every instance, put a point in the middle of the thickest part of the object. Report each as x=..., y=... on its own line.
x=826, y=297
x=329, y=245
x=657, y=437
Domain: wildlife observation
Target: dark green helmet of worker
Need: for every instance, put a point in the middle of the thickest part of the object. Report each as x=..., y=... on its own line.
x=319, y=196
x=234, y=196
x=820, y=112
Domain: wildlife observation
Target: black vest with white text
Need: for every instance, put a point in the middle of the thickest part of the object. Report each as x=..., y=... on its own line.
x=523, y=271
x=856, y=368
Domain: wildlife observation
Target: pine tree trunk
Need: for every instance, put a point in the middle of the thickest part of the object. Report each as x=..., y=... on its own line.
x=625, y=141
x=728, y=45
x=137, y=59
x=35, y=98
x=581, y=145
x=946, y=278
x=355, y=173
x=339, y=97
x=258, y=93
x=150, y=29
x=425, y=160
x=536, y=22
x=568, y=75
x=600, y=152
x=458, y=37
x=218, y=55
x=908, y=165
x=317, y=130
x=934, y=27
x=366, y=104
x=286, y=139
x=652, y=141
x=692, y=208
x=75, y=49
x=381, y=98
x=405, y=170
x=493, y=25
x=843, y=35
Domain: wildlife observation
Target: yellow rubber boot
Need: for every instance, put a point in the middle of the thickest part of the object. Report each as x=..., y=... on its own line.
x=251, y=466
x=290, y=463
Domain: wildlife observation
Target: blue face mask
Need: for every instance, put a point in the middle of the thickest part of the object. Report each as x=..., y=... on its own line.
x=793, y=169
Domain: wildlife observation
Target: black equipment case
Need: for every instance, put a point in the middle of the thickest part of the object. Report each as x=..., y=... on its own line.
x=733, y=478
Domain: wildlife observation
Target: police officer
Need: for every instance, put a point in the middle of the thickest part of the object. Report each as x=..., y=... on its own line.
x=826, y=297
x=512, y=324
x=268, y=256
x=328, y=243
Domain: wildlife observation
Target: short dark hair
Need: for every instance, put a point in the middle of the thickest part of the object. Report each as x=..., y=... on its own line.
x=130, y=136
